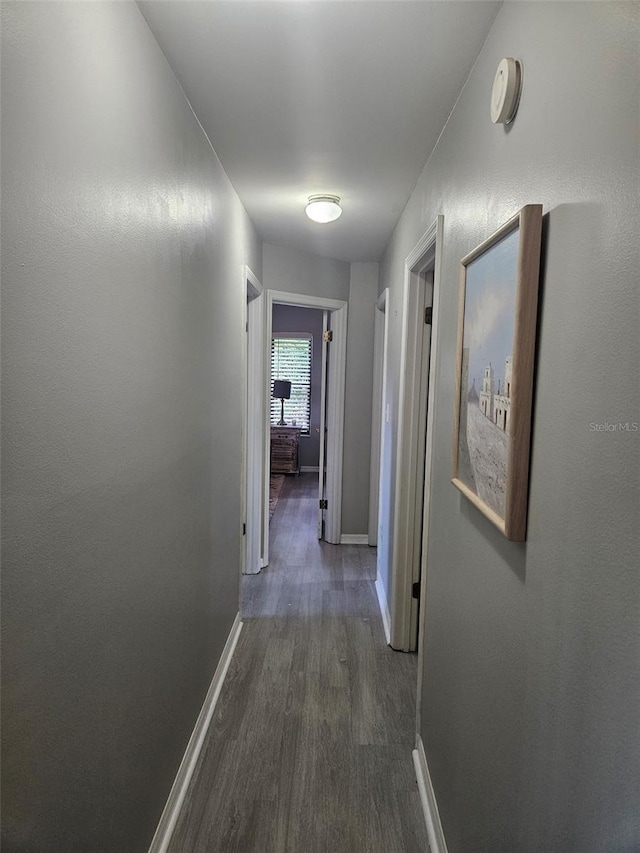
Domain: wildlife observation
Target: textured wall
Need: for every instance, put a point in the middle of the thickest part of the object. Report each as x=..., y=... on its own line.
x=290, y=318
x=363, y=291
x=530, y=703
x=122, y=249
x=301, y=272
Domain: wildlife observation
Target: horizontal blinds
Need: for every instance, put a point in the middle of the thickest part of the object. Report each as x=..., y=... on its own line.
x=291, y=360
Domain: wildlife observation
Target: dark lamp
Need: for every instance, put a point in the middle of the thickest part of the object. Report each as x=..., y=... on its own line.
x=282, y=392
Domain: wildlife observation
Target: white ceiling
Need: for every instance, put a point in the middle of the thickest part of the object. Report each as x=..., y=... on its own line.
x=306, y=96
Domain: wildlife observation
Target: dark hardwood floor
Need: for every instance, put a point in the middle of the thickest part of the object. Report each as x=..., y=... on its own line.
x=309, y=750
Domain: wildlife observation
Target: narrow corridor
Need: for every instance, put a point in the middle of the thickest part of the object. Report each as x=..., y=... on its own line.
x=310, y=747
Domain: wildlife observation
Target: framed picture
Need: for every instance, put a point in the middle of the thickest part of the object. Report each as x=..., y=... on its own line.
x=494, y=380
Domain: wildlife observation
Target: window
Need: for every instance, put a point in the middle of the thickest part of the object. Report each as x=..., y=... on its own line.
x=291, y=359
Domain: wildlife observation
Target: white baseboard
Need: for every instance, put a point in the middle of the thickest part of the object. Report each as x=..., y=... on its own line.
x=169, y=817
x=309, y=469
x=384, y=609
x=437, y=841
x=354, y=539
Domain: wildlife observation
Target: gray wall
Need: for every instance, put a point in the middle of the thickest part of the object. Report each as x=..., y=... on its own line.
x=295, y=271
x=290, y=318
x=123, y=242
x=530, y=702
x=313, y=275
x=363, y=292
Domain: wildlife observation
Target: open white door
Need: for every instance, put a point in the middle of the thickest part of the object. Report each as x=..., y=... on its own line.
x=322, y=464
x=252, y=469
x=379, y=487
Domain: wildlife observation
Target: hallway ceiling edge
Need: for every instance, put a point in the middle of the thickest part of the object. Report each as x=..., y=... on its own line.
x=343, y=97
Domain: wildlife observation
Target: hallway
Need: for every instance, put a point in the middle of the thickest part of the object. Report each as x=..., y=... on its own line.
x=310, y=747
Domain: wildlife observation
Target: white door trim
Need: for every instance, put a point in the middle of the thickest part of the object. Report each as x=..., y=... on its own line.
x=335, y=424
x=412, y=421
x=335, y=403
x=253, y=419
x=432, y=404
x=323, y=424
x=378, y=407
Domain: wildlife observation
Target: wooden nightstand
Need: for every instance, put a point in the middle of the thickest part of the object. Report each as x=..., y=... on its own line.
x=285, y=450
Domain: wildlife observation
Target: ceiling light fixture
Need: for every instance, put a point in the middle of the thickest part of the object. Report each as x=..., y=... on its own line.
x=323, y=208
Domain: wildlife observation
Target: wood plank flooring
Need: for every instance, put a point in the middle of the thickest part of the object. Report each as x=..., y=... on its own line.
x=310, y=746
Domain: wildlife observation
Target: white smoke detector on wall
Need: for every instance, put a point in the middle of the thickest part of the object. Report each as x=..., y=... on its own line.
x=505, y=95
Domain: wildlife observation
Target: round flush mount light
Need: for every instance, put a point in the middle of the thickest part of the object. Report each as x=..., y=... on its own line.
x=505, y=94
x=323, y=208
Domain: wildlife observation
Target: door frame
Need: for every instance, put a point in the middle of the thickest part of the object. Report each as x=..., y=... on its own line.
x=428, y=482
x=415, y=414
x=335, y=405
x=252, y=418
x=323, y=424
x=378, y=407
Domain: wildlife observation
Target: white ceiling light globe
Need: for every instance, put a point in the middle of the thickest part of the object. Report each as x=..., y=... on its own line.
x=323, y=208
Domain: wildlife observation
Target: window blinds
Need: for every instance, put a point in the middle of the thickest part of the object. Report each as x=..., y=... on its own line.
x=291, y=360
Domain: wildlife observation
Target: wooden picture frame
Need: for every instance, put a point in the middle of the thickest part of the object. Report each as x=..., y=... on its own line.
x=497, y=316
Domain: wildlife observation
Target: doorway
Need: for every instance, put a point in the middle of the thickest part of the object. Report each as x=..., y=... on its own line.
x=297, y=422
x=335, y=313
x=414, y=442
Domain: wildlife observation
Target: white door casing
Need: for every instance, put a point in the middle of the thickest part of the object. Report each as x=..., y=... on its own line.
x=335, y=405
x=252, y=423
x=417, y=362
x=428, y=469
x=378, y=409
x=322, y=468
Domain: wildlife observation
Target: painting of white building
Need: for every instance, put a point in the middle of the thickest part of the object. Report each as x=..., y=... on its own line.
x=487, y=393
x=485, y=403
x=502, y=400
x=497, y=406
